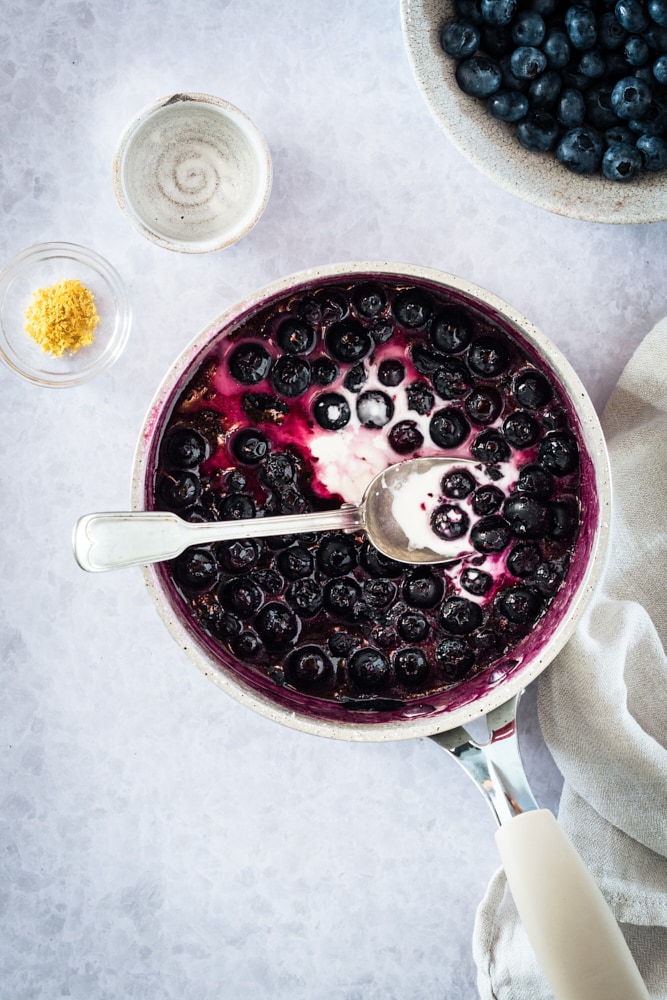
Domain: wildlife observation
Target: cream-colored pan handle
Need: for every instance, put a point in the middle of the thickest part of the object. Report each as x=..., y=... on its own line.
x=573, y=932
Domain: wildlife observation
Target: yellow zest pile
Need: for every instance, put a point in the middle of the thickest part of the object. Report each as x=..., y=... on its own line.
x=62, y=317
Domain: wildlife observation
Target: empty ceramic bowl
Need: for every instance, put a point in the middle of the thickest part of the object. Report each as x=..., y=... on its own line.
x=192, y=173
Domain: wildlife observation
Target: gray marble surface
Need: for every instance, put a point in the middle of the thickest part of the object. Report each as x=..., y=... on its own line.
x=157, y=840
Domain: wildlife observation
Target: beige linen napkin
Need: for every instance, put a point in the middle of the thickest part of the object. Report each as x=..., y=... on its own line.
x=603, y=708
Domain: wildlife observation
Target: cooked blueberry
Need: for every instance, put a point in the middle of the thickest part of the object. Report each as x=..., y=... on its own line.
x=309, y=668
x=324, y=371
x=196, y=569
x=559, y=453
x=488, y=357
x=422, y=589
x=269, y=580
x=374, y=409
x=459, y=38
x=448, y=428
x=391, y=372
x=378, y=564
x=411, y=665
x=341, y=595
x=535, y=481
x=340, y=643
x=277, y=625
x=295, y=562
x=279, y=470
x=381, y=331
x=426, y=360
x=236, y=507
x=527, y=517
x=296, y=336
x=249, y=363
x=451, y=330
x=332, y=304
x=305, y=596
x=524, y=559
x=451, y=379
x=412, y=307
x=455, y=658
x=460, y=616
x=487, y=500
x=532, y=390
x=413, y=626
x=215, y=619
x=186, y=448
x=178, y=490
x=246, y=645
x=520, y=605
x=420, y=398
x=336, y=555
x=548, y=578
x=235, y=481
x=563, y=520
x=238, y=556
x=621, y=162
x=520, y=429
x=581, y=26
x=331, y=411
x=580, y=150
x=476, y=581
x=355, y=377
x=490, y=447
x=379, y=593
x=347, y=341
x=405, y=437
x=250, y=446
x=449, y=521
x=483, y=405
x=490, y=534
x=290, y=376
x=457, y=484
x=243, y=596
x=538, y=131
x=369, y=300
x=369, y=669
x=262, y=407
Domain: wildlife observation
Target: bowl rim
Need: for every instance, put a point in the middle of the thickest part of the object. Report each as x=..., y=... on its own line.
x=490, y=146
x=256, y=142
x=40, y=252
x=513, y=683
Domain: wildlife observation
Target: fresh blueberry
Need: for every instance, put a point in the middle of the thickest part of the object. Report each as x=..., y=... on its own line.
x=451, y=330
x=460, y=616
x=532, y=390
x=520, y=605
x=599, y=112
x=341, y=595
x=538, y=131
x=250, y=446
x=476, y=581
x=455, y=658
x=621, y=162
x=528, y=28
x=391, y=372
x=619, y=133
x=449, y=521
x=243, y=596
x=507, y=105
x=527, y=62
x=420, y=398
x=459, y=38
x=405, y=437
x=347, y=341
x=295, y=562
x=632, y=15
x=336, y=555
x=510, y=82
x=296, y=336
x=238, y=556
x=535, y=481
x=592, y=64
x=559, y=453
x=178, y=490
x=356, y=377
x=457, y=484
x=520, y=429
x=548, y=577
x=488, y=357
x=544, y=89
x=290, y=376
x=490, y=447
x=490, y=534
x=483, y=405
x=498, y=11
x=186, y=448
x=196, y=569
x=422, y=589
x=487, y=500
x=571, y=108
x=309, y=669
x=524, y=559
x=413, y=626
x=556, y=47
x=660, y=68
x=369, y=669
x=374, y=409
x=611, y=33
x=381, y=331
x=479, y=76
x=630, y=98
x=653, y=151
x=324, y=371
x=411, y=665
x=305, y=596
x=448, y=428
x=563, y=520
x=249, y=363
x=637, y=52
x=236, y=507
x=331, y=411
x=413, y=307
x=526, y=516
x=277, y=625
x=654, y=122
x=581, y=26
x=369, y=300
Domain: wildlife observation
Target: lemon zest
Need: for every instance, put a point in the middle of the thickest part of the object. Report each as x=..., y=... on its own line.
x=62, y=317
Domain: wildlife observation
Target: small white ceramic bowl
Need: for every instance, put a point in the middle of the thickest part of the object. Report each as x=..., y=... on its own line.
x=46, y=264
x=192, y=173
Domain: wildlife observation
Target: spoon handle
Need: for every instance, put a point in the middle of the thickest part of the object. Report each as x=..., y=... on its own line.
x=137, y=538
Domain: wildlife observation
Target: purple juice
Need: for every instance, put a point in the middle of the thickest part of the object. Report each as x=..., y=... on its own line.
x=294, y=407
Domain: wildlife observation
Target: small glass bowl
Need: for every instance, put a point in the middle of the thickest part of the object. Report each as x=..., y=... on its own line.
x=46, y=264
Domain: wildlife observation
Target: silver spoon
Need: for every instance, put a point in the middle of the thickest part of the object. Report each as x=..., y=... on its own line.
x=394, y=512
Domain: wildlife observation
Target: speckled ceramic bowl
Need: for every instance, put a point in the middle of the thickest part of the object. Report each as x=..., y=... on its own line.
x=470, y=698
x=192, y=173
x=491, y=146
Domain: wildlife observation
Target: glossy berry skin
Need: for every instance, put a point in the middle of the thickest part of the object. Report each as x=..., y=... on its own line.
x=459, y=38
x=420, y=398
x=413, y=626
x=521, y=429
x=490, y=447
x=369, y=669
x=249, y=363
x=186, y=448
x=454, y=658
x=632, y=15
x=580, y=150
x=498, y=11
x=479, y=76
x=391, y=372
x=630, y=98
x=196, y=569
x=348, y=341
x=324, y=371
x=487, y=500
x=448, y=521
x=581, y=26
x=532, y=390
x=658, y=11
x=250, y=446
x=341, y=595
x=178, y=490
x=451, y=331
x=412, y=308
x=476, y=581
x=491, y=534
x=660, y=69
x=637, y=52
x=405, y=437
x=277, y=625
x=290, y=376
x=309, y=669
x=411, y=665
x=336, y=555
x=369, y=300
x=296, y=337
x=457, y=484
x=526, y=516
x=559, y=453
x=527, y=62
x=621, y=162
x=538, y=131
x=448, y=428
x=528, y=28
x=508, y=105
x=332, y=411
x=422, y=589
x=544, y=89
x=460, y=616
x=524, y=559
x=520, y=605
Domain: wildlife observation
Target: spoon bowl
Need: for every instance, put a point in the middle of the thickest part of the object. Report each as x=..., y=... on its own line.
x=398, y=510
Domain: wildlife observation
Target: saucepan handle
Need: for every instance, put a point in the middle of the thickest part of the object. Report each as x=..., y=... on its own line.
x=573, y=932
